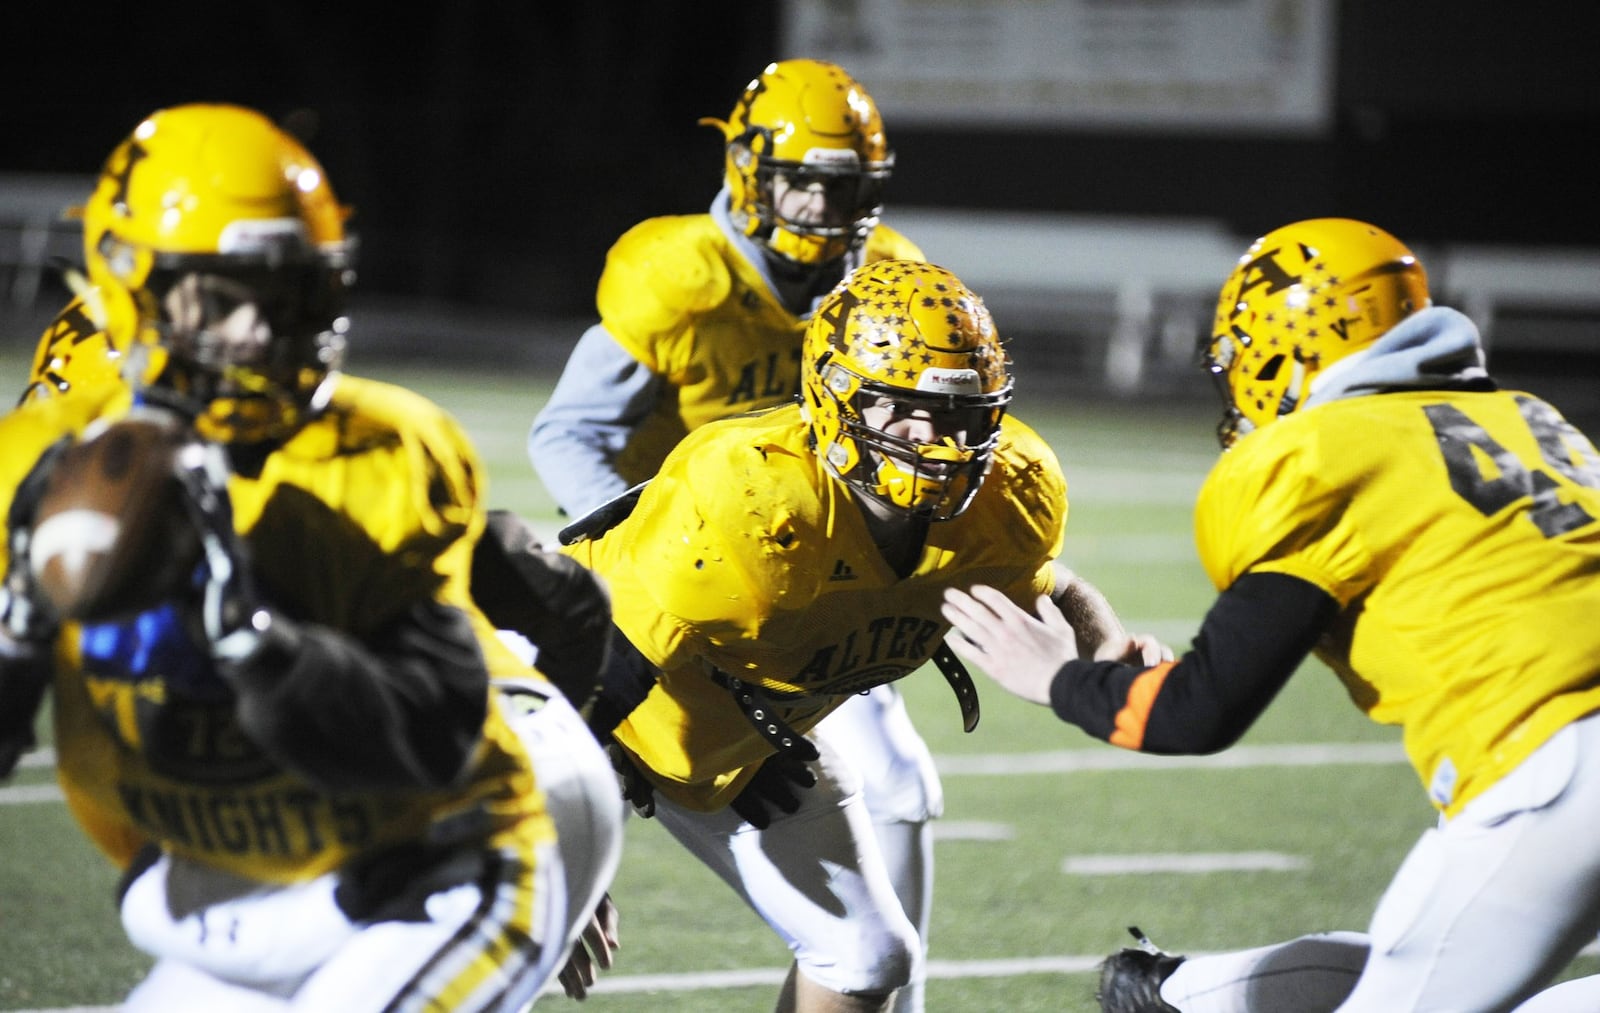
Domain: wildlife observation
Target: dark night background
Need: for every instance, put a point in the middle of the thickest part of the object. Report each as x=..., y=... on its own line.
x=494, y=150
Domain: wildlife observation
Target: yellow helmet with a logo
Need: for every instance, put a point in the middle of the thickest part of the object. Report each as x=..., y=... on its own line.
x=219, y=192
x=806, y=125
x=1302, y=298
x=911, y=335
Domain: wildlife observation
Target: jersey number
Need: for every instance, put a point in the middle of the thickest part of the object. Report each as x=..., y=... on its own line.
x=1565, y=450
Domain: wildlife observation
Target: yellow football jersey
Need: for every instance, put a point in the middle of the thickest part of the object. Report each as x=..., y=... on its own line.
x=679, y=297
x=746, y=556
x=372, y=506
x=1460, y=533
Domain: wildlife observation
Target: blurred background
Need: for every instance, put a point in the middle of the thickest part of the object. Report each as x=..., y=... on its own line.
x=1093, y=167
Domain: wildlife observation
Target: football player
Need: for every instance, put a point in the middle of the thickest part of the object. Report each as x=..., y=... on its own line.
x=1435, y=540
x=783, y=562
x=701, y=317
x=328, y=781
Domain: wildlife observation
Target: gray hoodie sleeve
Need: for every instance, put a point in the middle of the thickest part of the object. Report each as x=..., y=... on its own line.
x=602, y=396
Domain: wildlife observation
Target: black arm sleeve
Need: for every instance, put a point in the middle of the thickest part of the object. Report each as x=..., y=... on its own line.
x=403, y=712
x=625, y=680
x=562, y=608
x=1256, y=634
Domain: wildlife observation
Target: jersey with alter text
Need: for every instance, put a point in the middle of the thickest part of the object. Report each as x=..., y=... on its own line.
x=678, y=296
x=746, y=556
x=1460, y=534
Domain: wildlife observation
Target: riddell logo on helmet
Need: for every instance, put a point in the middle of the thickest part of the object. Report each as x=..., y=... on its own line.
x=949, y=381
x=264, y=237
x=835, y=157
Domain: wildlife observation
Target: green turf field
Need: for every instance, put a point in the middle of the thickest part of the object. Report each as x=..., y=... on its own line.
x=1029, y=800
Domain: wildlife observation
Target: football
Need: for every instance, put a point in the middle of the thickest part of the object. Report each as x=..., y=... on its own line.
x=111, y=534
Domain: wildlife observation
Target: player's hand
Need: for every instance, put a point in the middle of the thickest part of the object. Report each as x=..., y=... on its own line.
x=24, y=615
x=1140, y=649
x=776, y=785
x=1020, y=651
x=593, y=951
x=230, y=610
x=636, y=788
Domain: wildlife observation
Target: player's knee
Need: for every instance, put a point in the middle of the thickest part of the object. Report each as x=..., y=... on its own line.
x=884, y=956
x=905, y=792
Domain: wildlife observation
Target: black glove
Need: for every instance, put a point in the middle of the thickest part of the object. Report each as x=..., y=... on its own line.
x=777, y=785
x=231, y=613
x=25, y=671
x=636, y=788
x=26, y=620
x=24, y=615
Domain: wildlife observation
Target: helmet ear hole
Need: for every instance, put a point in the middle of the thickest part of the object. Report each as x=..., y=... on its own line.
x=1269, y=372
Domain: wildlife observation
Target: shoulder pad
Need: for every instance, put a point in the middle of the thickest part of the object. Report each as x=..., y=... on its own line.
x=660, y=274
x=1032, y=479
x=887, y=244
x=368, y=414
x=732, y=524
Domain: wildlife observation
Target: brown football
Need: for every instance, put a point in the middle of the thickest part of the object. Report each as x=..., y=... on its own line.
x=111, y=535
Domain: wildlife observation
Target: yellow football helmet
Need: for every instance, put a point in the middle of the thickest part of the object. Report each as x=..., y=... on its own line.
x=210, y=208
x=901, y=338
x=1302, y=298
x=805, y=127
x=75, y=353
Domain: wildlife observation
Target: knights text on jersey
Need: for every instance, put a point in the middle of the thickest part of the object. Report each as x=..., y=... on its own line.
x=745, y=556
x=682, y=300
x=1461, y=534
x=371, y=506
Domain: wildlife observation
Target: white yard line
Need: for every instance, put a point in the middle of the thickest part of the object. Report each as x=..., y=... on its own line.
x=972, y=830
x=692, y=981
x=1198, y=862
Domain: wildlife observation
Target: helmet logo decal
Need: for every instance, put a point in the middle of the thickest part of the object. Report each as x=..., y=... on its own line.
x=274, y=239
x=831, y=156
x=131, y=154
x=949, y=381
x=1264, y=270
